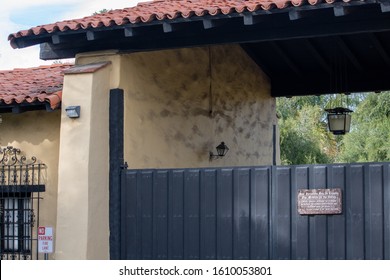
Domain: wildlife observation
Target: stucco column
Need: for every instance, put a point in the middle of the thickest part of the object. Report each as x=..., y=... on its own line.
x=82, y=216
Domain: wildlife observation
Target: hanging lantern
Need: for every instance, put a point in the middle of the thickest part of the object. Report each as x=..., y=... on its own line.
x=339, y=120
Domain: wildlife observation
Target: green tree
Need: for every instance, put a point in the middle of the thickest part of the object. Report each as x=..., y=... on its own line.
x=102, y=12
x=304, y=138
x=369, y=139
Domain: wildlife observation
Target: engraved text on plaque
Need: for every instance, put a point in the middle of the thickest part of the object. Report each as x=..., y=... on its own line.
x=319, y=201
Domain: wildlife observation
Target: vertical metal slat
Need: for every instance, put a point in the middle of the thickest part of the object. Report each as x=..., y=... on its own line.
x=241, y=223
x=299, y=223
x=191, y=214
x=318, y=223
x=225, y=214
x=176, y=215
x=208, y=230
x=160, y=215
x=354, y=212
x=336, y=223
x=260, y=214
x=282, y=214
x=374, y=213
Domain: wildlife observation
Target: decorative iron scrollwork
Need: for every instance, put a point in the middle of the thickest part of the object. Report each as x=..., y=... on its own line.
x=31, y=218
x=11, y=156
x=20, y=185
x=2, y=177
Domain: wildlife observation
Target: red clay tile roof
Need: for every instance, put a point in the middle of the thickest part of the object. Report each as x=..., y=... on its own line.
x=166, y=10
x=42, y=84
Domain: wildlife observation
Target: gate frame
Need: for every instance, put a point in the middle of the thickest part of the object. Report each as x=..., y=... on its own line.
x=116, y=153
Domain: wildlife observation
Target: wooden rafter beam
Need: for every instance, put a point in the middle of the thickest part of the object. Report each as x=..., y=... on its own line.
x=168, y=27
x=380, y=48
x=59, y=39
x=249, y=19
x=257, y=59
x=385, y=6
x=209, y=23
x=349, y=54
x=316, y=54
x=340, y=10
x=92, y=35
x=275, y=45
x=130, y=32
x=18, y=108
x=315, y=85
x=56, y=39
x=140, y=38
x=212, y=22
x=293, y=14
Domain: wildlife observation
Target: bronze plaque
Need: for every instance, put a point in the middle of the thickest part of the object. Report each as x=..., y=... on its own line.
x=319, y=201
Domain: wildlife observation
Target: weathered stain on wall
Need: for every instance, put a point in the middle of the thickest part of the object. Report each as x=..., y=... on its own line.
x=180, y=104
x=37, y=134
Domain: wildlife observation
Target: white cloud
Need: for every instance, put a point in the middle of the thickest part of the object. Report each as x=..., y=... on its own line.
x=17, y=4
x=86, y=8
x=29, y=57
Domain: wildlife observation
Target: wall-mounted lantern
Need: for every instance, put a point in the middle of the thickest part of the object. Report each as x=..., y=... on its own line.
x=339, y=120
x=222, y=150
x=73, y=112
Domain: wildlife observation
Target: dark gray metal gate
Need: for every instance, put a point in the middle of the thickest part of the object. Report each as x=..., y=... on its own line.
x=251, y=213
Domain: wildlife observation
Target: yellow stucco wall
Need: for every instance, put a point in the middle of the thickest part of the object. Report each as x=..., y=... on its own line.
x=82, y=215
x=37, y=134
x=177, y=110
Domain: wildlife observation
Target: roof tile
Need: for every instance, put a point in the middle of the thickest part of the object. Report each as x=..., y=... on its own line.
x=165, y=9
x=42, y=84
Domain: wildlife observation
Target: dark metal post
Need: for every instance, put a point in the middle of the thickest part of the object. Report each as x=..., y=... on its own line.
x=274, y=144
x=116, y=162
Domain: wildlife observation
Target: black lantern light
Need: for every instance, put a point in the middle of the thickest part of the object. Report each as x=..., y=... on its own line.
x=339, y=120
x=222, y=149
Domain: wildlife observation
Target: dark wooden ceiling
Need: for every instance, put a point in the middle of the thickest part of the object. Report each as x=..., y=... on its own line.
x=339, y=48
x=321, y=65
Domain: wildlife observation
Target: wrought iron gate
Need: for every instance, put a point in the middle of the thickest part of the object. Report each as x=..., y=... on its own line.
x=251, y=213
x=20, y=188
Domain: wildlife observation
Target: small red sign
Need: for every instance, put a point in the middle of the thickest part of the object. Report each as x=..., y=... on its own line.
x=41, y=231
x=45, y=240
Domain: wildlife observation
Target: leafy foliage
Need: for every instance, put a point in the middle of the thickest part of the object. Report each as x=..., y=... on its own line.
x=102, y=12
x=369, y=139
x=304, y=138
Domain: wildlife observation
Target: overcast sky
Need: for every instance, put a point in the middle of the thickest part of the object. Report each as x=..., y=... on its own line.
x=19, y=15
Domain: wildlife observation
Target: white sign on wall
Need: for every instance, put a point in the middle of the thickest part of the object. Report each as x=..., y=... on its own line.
x=45, y=240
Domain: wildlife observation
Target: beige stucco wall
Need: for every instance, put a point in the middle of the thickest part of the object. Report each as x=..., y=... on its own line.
x=37, y=134
x=177, y=110
x=82, y=215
